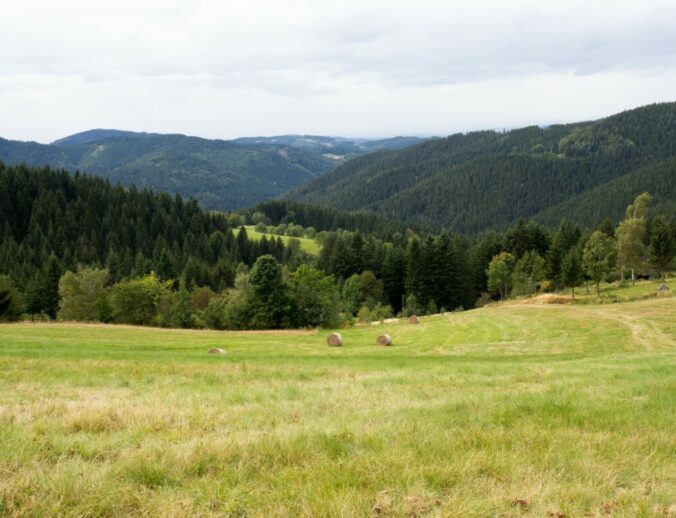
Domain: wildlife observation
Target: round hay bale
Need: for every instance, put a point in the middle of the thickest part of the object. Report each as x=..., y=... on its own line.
x=216, y=350
x=334, y=340
x=384, y=340
x=413, y=320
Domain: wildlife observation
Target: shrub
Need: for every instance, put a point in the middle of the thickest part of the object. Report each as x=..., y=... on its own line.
x=380, y=312
x=83, y=295
x=137, y=301
x=314, y=297
x=213, y=316
x=364, y=315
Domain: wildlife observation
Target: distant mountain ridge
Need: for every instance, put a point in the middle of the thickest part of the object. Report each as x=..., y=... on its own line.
x=94, y=135
x=220, y=174
x=488, y=179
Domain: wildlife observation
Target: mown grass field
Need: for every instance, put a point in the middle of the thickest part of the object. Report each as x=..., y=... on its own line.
x=504, y=411
x=307, y=245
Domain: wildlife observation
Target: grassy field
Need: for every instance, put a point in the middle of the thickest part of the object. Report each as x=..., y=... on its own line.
x=520, y=410
x=309, y=246
x=613, y=292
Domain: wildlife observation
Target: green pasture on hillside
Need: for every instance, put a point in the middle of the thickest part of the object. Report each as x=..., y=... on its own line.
x=521, y=410
x=307, y=245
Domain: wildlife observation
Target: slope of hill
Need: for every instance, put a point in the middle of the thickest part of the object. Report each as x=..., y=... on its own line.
x=471, y=182
x=220, y=174
x=567, y=410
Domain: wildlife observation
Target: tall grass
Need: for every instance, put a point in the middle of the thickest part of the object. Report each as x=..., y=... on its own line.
x=506, y=411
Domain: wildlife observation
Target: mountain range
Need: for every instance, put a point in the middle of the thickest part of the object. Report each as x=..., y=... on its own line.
x=220, y=174
x=467, y=182
x=583, y=172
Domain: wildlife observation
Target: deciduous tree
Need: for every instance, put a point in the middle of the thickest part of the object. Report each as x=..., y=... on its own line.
x=598, y=257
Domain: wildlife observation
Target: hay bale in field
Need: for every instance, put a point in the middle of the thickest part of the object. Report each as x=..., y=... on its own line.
x=548, y=298
x=413, y=319
x=334, y=340
x=216, y=350
x=384, y=340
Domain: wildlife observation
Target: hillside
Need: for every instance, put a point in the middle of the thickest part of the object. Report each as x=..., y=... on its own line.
x=518, y=410
x=222, y=175
x=475, y=181
x=53, y=222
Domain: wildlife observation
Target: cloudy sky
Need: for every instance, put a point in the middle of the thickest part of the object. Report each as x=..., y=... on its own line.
x=227, y=68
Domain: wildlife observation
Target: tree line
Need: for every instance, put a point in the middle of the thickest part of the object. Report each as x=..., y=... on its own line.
x=78, y=248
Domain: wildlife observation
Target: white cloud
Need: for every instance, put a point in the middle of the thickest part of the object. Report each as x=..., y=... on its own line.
x=233, y=68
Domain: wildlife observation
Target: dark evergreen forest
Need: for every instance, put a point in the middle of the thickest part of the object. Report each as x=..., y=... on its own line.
x=473, y=182
x=75, y=247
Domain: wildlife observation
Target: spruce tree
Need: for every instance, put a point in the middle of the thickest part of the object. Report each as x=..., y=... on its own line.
x=571, y=271
x=414, y=270
x=394, y=275
x=269, y=299
x=662, y=248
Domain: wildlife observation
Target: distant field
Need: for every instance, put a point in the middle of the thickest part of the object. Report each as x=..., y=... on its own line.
x=519, y=410
x=310, y=246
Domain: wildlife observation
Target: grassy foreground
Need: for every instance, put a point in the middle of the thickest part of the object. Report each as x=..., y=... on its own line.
x=505, y=411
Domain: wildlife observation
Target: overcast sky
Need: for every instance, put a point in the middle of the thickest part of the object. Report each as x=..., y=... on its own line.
x=224, y=69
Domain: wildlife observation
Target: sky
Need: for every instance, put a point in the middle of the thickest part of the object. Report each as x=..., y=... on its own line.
x=229, y=68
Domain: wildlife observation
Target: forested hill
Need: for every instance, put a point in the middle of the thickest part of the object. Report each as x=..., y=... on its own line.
x=222, y=175
x=470, y=182
x=51, y=221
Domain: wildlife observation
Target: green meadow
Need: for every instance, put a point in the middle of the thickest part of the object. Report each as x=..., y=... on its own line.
x=511, y=410
x=307, y=245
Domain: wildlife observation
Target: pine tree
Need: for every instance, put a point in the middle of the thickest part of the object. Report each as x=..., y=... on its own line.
x=270, y=304
x=166, y=268
x=571, y=271
x=414, y=270
x=662, y=248
x=11, y=305
x=394, y=274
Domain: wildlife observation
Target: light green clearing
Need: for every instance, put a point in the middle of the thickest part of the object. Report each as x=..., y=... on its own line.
x=309, y=246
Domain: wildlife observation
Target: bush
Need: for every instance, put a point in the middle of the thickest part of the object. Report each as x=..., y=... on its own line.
x=84, y=296
x=181, y=313
x=200, y=297
x=380, y=312
x=314, y=298
x=364, y=315
x=35, y=317
x=237, y=312
x=137, y=301
x=213, y=316
x=412, y=307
